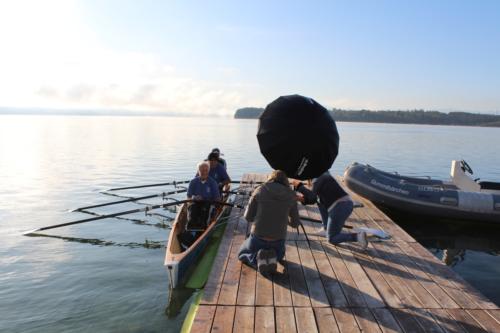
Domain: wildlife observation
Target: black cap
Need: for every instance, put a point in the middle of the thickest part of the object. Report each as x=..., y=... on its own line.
x=213, y=156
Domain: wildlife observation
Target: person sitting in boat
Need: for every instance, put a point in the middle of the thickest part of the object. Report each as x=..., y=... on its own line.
x=272, y=207
x=202, y=190
x=335, y=206
x=221, y=160
x=218, y=172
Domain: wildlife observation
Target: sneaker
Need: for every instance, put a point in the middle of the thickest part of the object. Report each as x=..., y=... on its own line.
x=267, y=262
x=321, y=233
x=362, y=239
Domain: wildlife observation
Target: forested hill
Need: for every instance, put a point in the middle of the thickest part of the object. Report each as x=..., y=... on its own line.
x=399, y=117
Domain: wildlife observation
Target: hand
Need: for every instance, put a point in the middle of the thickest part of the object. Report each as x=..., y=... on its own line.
x=197, y=198
x=299, y=197
x=295, y=182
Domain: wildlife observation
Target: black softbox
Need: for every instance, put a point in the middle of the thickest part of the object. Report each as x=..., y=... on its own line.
x=297, y=135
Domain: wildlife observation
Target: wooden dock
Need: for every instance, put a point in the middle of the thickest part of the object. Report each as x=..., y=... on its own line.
x=392, y=286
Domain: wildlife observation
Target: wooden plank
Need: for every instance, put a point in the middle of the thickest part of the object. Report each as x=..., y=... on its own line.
x=325, y=320
x=386, y=321
x=446, y=321
x=264, y=291
x=366, y=320
x=444, y=300
x=203, y=320
x=298, y=287
x=246, y=290
x=394, y=277
x=229, y=288
x=425, y=320
x=214, y=282
x=312, y=229
x=383, y=287
x=370, y=214
x=305, y=320
x=406, y=321
x=432, y=267
x=224, y=319
x=281, y=286
x=331, y=284
x=264, y=319
x=364, y=222
x=345, y=320
x=244, y=319
x=444, y=276
x=351, y=292
x=314, y=285
x=495, y=314
x=285, y=320
x=466, y=321
x=393, y=253
x=487, y=321
x=363, y=283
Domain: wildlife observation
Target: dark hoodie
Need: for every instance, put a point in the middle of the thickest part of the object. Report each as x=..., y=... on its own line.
x=271, y=208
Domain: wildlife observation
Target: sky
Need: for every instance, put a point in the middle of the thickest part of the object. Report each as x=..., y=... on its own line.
x=213, y=57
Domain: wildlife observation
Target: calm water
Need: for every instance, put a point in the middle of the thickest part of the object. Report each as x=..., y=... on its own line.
x=108, y=276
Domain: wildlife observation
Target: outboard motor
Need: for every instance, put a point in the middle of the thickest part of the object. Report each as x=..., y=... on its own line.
x=460, y=178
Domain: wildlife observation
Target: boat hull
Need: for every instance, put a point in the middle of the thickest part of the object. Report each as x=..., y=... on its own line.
x=421, y=196
x=178, y=262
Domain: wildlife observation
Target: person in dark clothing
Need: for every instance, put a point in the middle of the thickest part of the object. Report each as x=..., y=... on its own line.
x=271, y=209
x=221, y=160
x=335, y=206
x=218, y=172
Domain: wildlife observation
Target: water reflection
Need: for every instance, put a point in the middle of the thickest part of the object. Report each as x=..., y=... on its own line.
x=451, y=257
x=177, y=298
x=148, y=244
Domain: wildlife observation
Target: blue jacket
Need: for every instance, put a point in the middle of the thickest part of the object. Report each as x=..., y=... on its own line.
x=208, y=190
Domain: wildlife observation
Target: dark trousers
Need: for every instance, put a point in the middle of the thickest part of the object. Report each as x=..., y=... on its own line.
x=198, y=215
x=252, y=245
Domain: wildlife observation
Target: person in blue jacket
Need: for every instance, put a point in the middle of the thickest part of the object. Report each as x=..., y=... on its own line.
x=217, y=171
x=335, y=206
x=203, y=190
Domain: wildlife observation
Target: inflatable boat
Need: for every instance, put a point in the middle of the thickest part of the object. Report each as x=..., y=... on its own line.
x=461, y=197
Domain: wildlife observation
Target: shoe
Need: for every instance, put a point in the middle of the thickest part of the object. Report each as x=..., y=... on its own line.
x=362, y=239
x=321, y=233
x=267, y=262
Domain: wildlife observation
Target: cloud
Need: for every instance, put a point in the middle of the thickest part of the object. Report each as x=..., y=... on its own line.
x=111, y=80
x=51, y=59
x=134, y=82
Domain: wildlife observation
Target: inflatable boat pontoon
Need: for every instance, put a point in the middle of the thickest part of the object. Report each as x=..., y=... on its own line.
x=459, y=198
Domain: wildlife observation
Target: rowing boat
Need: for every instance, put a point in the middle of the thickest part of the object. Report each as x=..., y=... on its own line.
x=178, y=260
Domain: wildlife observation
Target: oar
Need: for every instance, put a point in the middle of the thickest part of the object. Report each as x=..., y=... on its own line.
x=149, y=185
x=172, y=183
x=245, y=182
x=138, y=210
x=375, y=232
x=163, y=194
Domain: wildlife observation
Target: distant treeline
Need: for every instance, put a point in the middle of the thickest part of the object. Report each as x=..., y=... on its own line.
x=399, y=117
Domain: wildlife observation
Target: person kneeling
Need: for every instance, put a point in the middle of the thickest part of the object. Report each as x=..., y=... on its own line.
x=271, y=209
